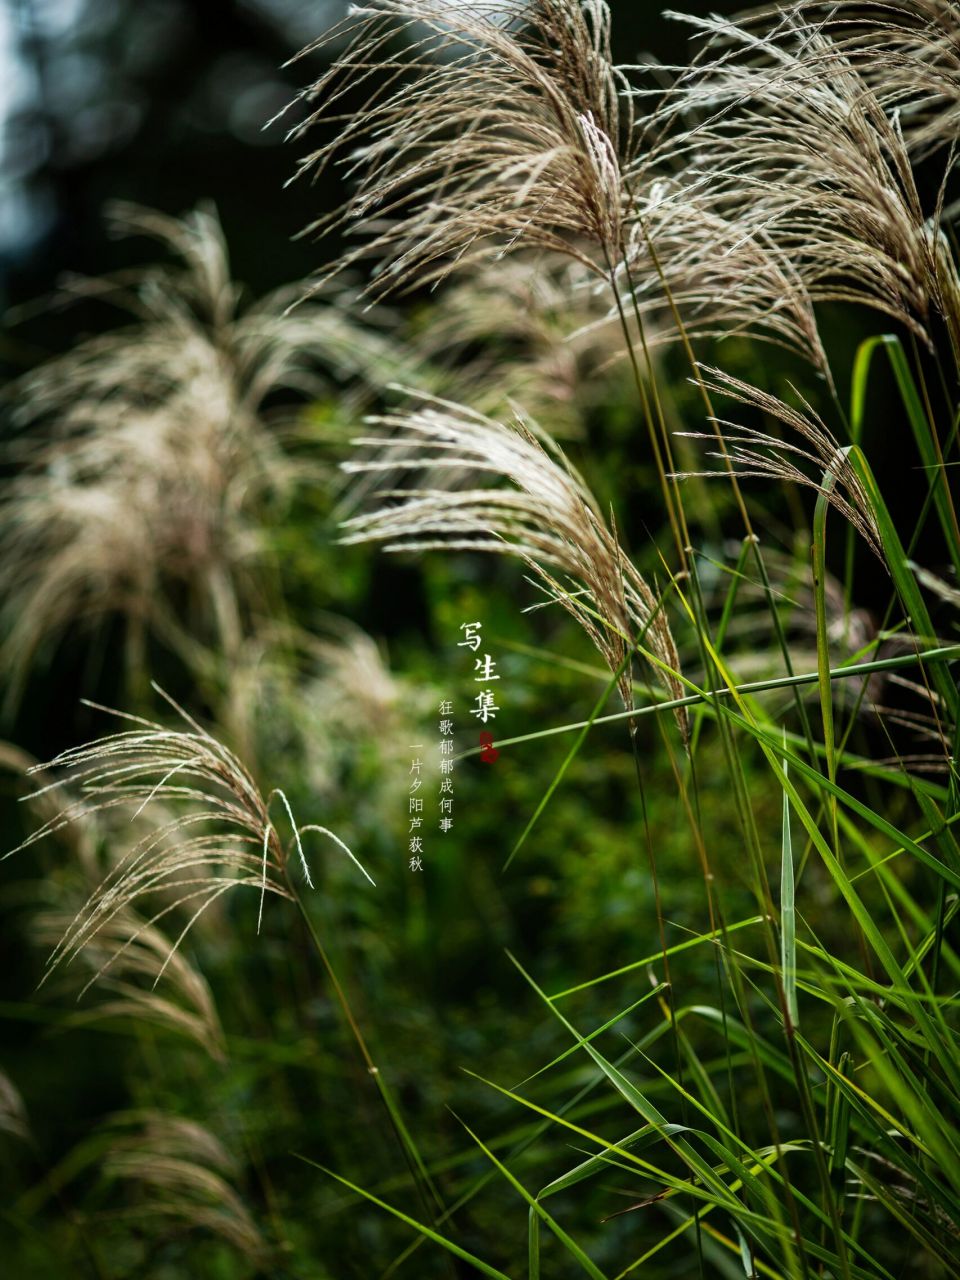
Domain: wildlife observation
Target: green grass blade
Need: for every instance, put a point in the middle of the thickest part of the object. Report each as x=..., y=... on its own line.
x=924, y=432
x=483, y=1267
x=788, y=916
x=566, y=1240
x=934, y=656
x=697, y=941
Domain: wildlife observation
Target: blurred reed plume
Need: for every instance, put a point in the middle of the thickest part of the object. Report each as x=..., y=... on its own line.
x=126, y=956
x=547, y=517
x=321, y=700
x=149, y=457
x=490, y=131
x=13, y=1114
x=220, y=837
x=356, y=686
x=179, y=1177
x=526, y=329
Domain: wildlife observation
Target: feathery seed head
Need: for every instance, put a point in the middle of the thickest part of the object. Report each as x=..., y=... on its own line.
x=909, y=53
x=753, y=452
x=547, y=517
x=724, y=276
x=322, y=700
x=791, y=139
x=487, y=133
x=220, y=836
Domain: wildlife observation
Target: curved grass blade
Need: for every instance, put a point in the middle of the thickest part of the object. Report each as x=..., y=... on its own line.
x=566, y=1240
x=483, y=1267
x=788, y=916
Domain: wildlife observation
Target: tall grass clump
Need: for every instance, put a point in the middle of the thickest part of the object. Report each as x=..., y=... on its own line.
x=801, y=1119
x=676, y=992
